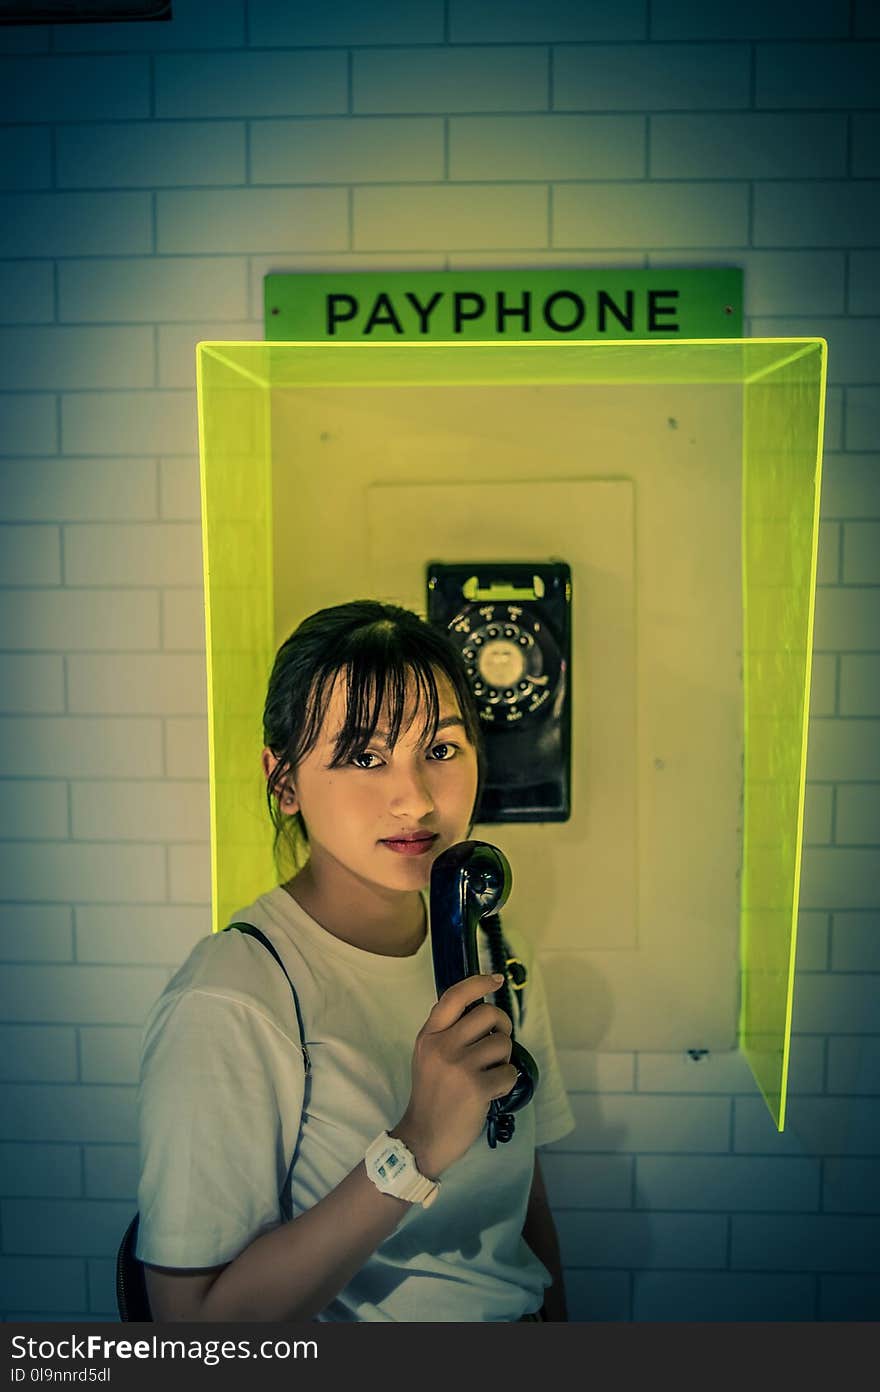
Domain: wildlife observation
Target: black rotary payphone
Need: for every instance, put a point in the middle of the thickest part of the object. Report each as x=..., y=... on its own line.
x=512, y=624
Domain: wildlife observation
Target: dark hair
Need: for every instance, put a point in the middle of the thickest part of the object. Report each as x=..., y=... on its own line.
x=378, y=646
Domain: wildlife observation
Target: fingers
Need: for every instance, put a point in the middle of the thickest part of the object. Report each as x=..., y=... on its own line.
x=455, y=1000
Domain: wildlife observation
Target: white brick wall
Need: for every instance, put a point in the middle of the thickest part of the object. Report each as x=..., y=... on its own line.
x=150, y=176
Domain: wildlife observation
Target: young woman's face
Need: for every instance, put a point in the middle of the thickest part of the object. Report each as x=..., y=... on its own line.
x=353, y=813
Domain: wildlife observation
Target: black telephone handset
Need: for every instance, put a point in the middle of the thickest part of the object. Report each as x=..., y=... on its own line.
x=470, y=881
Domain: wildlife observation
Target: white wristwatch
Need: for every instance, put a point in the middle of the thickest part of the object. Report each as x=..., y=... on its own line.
x=392, y=1167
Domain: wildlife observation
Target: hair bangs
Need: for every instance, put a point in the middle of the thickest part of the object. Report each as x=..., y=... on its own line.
x=380, y=684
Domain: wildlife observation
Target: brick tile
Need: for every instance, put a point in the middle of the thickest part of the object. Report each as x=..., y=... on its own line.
x=110, y=1054
x=27, y=293
x=849, y=1298
x=75, y=224
x=70, y=619
x=155, y=289
x=179, y=497
x=837, y=1002
x=343, y=22
x=588, y=1181
x=77, y=490
x=252, y=220
x=723, y=1296
x=726, y=1183
x=850, y=482
x=64, y=871
x=160, y=935
x=52, y=1285
x=183, y=620
x=351, y=150
x=25, y=156
x=858, y=815
x=415, y=80
x=116, y=423
x=861, y=557
x=35, y=933
x=827, y=75
x=30, y=1170
x=846, y=618
x=112, y=1172
x=32, y=810
x=141, y=684
x=854, y=1069
x=189, y=30
x=474, y=216
x=805, y=1243
x=79, y=747
x=748, y=146
x=641, y=1123
x=140, y=811
x=643, y=1240
x=37, y=1054
x=151, y=155
x=587, y=1071
x=74, y=995
x=862, y=423
x=27, y=425
x=250, y=84
x=81, y=1227
x=546, y=147
x=669, y=214
x=153, y=553
x=554, y=21
x=816, y=214
x=597, y=1295
x=866, y=146
x=186, y=747
x=56, y=88
x=855, y=942
x=189, y=873
x=750, y=19
x=650, y=77
x=72, y=358
x=31, y=685
x=30, y=556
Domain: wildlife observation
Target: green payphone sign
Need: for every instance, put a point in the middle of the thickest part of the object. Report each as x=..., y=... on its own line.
x=394, y=306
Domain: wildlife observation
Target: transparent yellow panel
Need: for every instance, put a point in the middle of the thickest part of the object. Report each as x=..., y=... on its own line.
x=237, y=558
x=782, y=431
x=781, y=383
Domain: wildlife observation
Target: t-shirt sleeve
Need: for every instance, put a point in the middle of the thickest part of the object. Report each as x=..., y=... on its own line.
x=554, y=1117
x=220, y=1097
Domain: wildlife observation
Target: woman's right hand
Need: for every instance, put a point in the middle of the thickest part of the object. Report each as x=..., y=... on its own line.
x=459, y=1064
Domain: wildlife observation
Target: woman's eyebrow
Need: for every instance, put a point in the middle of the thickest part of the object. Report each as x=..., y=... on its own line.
x=443, y=724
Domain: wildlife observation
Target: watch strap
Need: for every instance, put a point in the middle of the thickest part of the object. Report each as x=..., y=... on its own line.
x=392, y=1167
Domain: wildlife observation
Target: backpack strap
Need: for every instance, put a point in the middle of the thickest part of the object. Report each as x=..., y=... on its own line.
x=253, y=932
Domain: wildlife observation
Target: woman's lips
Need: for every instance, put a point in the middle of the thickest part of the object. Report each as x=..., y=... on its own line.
x=410, y=848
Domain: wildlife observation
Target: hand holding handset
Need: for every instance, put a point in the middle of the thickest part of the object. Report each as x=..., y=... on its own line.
x=468, y=882
x=464, y=1060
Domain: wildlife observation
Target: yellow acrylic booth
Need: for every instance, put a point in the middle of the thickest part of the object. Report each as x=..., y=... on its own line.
x=680, y=481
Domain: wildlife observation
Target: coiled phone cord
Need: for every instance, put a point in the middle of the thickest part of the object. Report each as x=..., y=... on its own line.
x=500, y=1124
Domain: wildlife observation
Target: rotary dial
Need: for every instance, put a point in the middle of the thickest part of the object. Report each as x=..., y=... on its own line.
x=511, y=658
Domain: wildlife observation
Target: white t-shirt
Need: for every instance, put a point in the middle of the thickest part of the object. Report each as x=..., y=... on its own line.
x=236, y=1137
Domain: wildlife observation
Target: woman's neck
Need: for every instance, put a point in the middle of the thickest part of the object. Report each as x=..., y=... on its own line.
x=354, y=919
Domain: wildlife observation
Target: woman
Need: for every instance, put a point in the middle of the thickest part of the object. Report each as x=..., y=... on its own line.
x=354, y=1183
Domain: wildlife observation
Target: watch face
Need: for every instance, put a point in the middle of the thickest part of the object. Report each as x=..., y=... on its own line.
x=389, y=1166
